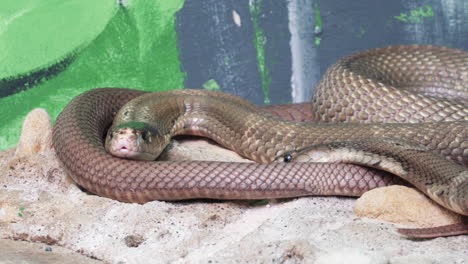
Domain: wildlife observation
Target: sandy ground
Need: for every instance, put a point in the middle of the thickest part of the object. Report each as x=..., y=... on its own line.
x=46, y=218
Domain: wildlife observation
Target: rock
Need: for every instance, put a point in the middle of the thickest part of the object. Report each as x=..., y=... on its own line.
x=6, y=156
x=133, y=241
x=34, y=162
x=37, y=253
x=36, y=133
x=403, y=205
x=41, y=172
x=10, y=214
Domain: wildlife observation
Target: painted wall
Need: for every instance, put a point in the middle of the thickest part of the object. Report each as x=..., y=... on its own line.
x=265, y=51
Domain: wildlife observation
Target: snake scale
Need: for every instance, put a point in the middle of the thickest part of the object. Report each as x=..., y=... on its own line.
x=423, y=88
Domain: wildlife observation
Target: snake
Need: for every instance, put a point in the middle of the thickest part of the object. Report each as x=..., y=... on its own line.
x=398, y=110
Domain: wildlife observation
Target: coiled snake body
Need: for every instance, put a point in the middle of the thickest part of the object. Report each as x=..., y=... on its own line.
x=410, y=84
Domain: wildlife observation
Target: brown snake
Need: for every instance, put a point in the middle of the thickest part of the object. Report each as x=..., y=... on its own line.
x=408, y=84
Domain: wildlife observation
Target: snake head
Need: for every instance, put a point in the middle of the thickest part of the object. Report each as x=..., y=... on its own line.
x=134, y=140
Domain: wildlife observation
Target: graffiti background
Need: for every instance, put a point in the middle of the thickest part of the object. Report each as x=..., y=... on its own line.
x=265, y=51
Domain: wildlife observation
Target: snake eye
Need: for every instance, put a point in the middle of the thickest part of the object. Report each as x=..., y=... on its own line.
x=287, y=158
x=145, y=135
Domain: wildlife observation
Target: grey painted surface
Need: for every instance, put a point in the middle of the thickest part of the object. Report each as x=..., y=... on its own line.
x=449, y=26
x=294, y=62
x=351, y=26
x=274, y=22
x=212, y=46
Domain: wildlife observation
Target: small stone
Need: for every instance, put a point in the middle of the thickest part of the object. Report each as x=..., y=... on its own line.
x=403, y=205
x=36, y=133
x=134, y=240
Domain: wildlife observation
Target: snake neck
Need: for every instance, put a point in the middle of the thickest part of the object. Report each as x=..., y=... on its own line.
x=263, y=138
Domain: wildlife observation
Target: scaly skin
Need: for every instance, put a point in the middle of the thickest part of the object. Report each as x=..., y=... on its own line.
x=365, y=82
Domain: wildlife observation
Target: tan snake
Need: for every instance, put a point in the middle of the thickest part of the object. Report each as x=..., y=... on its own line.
x=394, y=84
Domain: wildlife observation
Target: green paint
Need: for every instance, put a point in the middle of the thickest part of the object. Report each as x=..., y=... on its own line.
x=36, y=34
x=136, y=49
x=227, y=60
x=361, y=32
x=317, y=41
x=259, y=42
x=211, y=85
x=20, y=214
x=318, y=25
x=318, y=17
x=134, y=125
x=416, y=15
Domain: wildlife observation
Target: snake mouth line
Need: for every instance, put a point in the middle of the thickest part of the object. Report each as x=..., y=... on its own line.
x=126, y=153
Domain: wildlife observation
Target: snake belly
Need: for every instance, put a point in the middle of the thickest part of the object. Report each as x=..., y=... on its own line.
x=408, y=84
